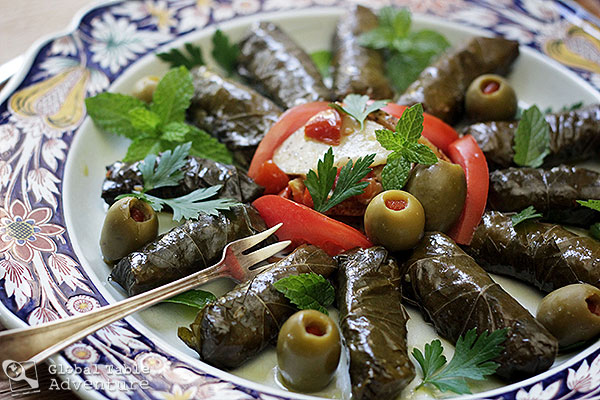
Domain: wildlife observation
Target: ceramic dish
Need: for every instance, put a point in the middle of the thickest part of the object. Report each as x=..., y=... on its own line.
x=52, y=165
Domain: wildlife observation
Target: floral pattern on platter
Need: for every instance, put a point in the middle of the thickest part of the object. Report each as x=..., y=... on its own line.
x=40, y=277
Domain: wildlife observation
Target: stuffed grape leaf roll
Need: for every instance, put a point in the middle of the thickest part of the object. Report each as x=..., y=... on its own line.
x=553, y=192
x=574, y=136
x=235, y=114
x=238, y=325
x=544, y=255
x=185, y=249
x=442, y=86
x=279, y=67
x=457, y=295
x=358, y=69
x=123, y=178
x=373, y=323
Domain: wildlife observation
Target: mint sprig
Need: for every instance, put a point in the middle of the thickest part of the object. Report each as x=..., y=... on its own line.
x=532, y=139
x=358, y=107
x=407, y=52
x=159, y=126
x=524, y=215
x=405, y=147
x=307, y=291
x=471, y=360
x=322, y=182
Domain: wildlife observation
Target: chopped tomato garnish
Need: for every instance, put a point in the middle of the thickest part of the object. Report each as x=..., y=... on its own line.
x=325, y=127
x=273, y=179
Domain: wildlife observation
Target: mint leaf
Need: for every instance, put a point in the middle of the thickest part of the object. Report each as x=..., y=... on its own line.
x=322, y=60
x=224, y=52
x=524, y=215
x=419, y=153
x=472, y=360
x=206, y=146
x=348, y=182
x=168, y=171
x=593, y=204
x=358, y=108
x=410, y=124
x=532, y=139
x=405, y=147
x=175, y=132
x=110, y=112
x=395, y=173
x=176, y=58
x=307, y=291
x=140, y=147
x=193, y=298
x=407, y=53
x=144, y=120
x=173, y=95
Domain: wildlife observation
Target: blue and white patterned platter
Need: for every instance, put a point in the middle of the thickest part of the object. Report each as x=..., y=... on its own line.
x=47, y=158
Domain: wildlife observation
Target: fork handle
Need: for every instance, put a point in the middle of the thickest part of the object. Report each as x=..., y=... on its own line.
x=39, y=342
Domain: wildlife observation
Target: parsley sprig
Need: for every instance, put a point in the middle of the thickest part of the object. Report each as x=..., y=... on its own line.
x=406, y=52
x=471, y=360
x=322, y=182
x=532, y=139
x=158, y=126
x=593, y=204
x=224, y=52
x=167, y=172
x=358, y=108
x=405, y=147
x=307, y=291
x=177, y=58
x=524, y=215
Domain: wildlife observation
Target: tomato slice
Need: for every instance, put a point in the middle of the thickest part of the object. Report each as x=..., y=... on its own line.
x=439, y=133
x=305, y=225
x=288, y=123
x=469, y=156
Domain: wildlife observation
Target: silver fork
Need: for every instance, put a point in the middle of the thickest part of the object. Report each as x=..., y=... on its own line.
x=36, y=343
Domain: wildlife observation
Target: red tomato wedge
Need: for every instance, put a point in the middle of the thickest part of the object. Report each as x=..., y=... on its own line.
x=304, y=225
x=469, y=156
x=439, y=133
x=288, y=123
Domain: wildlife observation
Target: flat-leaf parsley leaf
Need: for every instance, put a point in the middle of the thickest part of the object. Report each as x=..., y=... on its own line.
x=472, y=360
x=307, y=291
x=224, y=52
x=177, y=58
x=321, y=183
x=524, y=215
x=358, y=107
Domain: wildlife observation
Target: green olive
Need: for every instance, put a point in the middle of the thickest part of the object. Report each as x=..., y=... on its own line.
x=571, y=313
x=491, y=98
x=145, y=87
x=395, y=219
x=308, y=350
x=441, y=188
x=129, y=224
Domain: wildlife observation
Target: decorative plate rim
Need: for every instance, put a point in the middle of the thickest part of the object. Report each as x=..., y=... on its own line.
x=10, y=319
